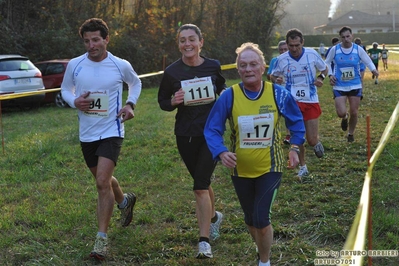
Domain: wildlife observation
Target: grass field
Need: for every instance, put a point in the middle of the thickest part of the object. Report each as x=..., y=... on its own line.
x=49, y=197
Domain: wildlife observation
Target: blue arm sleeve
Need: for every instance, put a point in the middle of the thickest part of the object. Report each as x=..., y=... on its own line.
x=216, y=123
x=271, y=65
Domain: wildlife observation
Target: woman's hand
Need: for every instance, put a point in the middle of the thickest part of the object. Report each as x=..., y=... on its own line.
x=178, y=98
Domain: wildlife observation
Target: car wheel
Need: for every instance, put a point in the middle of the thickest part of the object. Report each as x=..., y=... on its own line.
x=59, y=101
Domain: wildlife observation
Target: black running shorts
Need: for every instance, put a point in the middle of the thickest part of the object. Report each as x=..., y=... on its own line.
x=108, y=148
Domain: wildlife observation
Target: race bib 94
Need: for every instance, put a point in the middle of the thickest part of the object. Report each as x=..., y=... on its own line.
x=99, y=105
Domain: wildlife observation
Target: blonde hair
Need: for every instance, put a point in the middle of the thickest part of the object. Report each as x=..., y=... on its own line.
x=250, y=46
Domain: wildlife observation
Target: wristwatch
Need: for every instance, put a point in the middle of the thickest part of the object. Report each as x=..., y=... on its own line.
x=294, y=148
x=322, y=76
x=131, y=105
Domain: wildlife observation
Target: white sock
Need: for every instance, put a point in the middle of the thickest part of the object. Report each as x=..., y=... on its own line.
x=104, y=235
x=123, y=204
x=264, y=263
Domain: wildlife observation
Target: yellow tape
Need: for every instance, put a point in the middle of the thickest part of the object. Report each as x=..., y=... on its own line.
x=357, y=235
x=229, y=66
x=23, y=94
x=150, y=74
x=223, y=67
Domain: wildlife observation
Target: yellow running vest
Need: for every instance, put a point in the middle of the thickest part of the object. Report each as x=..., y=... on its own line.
x=255, y=136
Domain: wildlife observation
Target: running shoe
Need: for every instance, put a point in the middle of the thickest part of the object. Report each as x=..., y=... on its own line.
x=318, y=150
x=287, y=139
x=351, y=138
x=303, y=171
x=100, y=248
x=344, y=123
x=127, y=212
x=214, y=230
x=204, y=250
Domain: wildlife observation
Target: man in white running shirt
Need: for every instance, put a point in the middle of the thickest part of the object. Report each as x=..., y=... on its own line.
x=93, y=83
x=346, y=78
x=298, y=68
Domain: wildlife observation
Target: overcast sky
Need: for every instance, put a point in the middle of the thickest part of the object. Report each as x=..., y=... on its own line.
x=307, y=14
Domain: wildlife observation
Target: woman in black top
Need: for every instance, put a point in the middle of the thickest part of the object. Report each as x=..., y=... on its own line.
x=191, y=84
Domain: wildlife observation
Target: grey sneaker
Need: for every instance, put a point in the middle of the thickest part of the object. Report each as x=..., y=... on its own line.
x=204, y=250
x=214, y=230
x=100, y=248
x=350, y=138
x=303, y=171
x=318, y=150
x=127, y=212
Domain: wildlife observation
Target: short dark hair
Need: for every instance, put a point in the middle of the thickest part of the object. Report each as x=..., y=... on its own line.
x=334, y=40
x=190, y=27
x=292, y=34
x=345, y=28
x=94, y=24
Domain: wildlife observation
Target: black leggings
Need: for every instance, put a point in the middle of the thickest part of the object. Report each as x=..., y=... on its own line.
x=198, y=160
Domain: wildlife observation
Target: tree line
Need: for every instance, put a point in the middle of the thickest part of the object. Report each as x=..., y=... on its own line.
x=141, y=31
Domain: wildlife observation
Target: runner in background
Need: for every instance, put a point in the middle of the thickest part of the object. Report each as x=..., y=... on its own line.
x=384, y=56
x=282, y=48
x=303, y=71
x=346, y=80
x=375, y=55
x=358, y=41
x=322, y=50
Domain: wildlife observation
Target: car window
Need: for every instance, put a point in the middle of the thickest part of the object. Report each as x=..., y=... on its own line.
x=24, y=66
x=13, y=65
x=56, y=68
x=42, y=68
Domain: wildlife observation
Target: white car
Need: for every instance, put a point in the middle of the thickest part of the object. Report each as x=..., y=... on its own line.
x=18, y=75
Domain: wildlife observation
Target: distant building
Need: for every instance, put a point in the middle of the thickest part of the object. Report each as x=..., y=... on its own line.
x=360, y=22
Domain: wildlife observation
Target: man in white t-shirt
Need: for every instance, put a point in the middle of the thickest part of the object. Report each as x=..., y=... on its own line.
x=93, y=83
x=298, y=68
